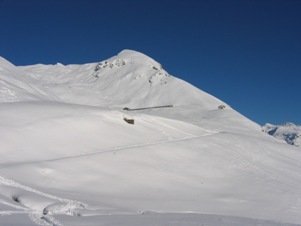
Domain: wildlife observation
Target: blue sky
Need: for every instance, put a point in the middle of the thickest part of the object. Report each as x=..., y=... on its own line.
x=245, y=52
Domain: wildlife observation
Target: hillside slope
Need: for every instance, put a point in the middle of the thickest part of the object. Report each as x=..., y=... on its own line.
x=67, y=151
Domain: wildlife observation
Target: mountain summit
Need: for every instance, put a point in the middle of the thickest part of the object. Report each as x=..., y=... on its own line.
x=128, y=79
x=123, y=142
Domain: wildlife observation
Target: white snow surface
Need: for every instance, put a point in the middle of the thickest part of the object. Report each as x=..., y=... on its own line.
x=69, y=158
x=289, y=132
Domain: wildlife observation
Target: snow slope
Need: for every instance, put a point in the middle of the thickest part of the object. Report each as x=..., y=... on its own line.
x=288, y=132
x=69, y=158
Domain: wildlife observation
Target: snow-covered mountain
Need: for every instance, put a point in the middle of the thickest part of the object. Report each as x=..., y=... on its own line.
x=288, y=132
x=68, y=156
x=130, y=78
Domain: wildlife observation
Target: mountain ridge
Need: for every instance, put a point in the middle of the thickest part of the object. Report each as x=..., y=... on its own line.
x=137, y=67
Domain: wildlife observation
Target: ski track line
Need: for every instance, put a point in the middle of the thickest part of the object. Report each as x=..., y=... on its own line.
x=10, y=212
x=11, y=183
x=117, y=149
x=14, y=206
x=123, y=148
x=37, y=217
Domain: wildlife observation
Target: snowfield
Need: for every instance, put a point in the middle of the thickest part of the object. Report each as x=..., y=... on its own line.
x=68, y=157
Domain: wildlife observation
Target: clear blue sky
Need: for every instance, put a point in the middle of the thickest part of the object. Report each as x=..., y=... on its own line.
x=245, y=52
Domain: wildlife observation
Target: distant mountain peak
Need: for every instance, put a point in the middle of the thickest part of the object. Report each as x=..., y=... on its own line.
x=133, y=65
x=289, y=132
x=127, y=53
x=136, y=57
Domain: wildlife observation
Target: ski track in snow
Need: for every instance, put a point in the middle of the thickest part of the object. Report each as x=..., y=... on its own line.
x=116, y=149
x=39, y=218
x=46, y=220
x=123, y=148
x=145, y=144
